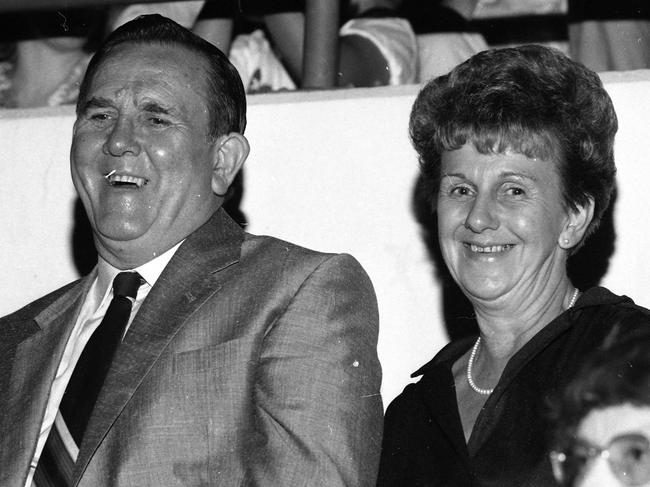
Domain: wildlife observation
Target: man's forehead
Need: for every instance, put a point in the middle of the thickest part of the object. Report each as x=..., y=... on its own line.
x=139, y=68
x=169, y=56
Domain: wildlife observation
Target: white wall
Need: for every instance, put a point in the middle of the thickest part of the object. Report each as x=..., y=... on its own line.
x=329, y=170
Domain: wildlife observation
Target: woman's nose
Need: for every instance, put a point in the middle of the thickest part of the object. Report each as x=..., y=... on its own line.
x=122, y=140
x=482, y=214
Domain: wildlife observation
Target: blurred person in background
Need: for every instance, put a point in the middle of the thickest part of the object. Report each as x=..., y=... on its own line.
x=610, y=36
x=602, y=420
x=184, y=13
x=376, y=47
x=48, y=54
x=445, y=37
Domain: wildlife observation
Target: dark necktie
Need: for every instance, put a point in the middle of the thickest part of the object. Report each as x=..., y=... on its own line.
x=88, y=377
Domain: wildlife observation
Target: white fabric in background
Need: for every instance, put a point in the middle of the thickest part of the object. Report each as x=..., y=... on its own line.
x=184, y=13
x=439, y=53
x=395, y=40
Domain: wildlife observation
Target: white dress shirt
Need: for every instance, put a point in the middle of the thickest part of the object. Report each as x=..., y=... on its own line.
x=92, y=311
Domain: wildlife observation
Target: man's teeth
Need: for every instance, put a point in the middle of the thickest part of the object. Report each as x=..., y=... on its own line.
x=122, y=179
x=490, y=249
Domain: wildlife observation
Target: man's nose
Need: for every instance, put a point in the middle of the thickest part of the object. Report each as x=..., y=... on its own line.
x=482, y=214
x=122, y=139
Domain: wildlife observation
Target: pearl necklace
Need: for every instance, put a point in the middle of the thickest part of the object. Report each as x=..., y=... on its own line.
x=472, y=355
x=470, y=381
x=574, y=298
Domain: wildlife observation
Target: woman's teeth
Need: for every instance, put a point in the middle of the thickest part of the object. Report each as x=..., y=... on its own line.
x=490, y=249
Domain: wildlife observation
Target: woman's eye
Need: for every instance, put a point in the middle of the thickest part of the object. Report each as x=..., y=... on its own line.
x=461, y=191
x=515, y=191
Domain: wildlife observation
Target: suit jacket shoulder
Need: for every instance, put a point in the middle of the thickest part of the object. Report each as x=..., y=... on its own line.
x=274, y=253
x=17, y=326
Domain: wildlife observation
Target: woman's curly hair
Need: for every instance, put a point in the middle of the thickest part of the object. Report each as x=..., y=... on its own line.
x=531, y=100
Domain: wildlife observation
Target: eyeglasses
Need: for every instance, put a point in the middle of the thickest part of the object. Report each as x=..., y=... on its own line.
x=628, y=457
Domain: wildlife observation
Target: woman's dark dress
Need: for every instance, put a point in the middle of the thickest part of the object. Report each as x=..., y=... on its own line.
x=424, y=444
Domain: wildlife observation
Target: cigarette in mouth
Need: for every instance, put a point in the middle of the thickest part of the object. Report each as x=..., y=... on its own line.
x=110, y=174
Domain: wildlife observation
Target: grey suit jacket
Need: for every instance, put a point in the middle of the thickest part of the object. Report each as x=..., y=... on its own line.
x=251, y=362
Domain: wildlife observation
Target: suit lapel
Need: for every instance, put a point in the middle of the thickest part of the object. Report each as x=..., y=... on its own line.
x=189, y=279
x=33, y=369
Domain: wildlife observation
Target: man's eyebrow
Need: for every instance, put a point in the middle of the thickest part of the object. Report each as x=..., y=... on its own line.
x=153, y=107
x=95, y=102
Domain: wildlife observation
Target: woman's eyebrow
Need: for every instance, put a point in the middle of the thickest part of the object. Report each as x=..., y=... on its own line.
x=453, y=175
x=524, y=175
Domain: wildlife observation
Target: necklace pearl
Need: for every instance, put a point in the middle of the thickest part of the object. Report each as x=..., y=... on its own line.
x=472, y=355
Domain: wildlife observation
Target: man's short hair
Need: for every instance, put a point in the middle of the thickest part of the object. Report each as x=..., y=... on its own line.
x=225, y=90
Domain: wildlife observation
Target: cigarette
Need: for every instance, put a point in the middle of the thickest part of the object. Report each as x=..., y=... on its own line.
x=110, y=174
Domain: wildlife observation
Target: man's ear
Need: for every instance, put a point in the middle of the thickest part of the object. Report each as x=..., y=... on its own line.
x=231, y=151
x=576, y=225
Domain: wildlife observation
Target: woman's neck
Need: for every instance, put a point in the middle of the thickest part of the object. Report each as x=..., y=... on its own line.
x=507, y=327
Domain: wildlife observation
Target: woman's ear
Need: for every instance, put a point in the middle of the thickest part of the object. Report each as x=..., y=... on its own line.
x=576, y=225
x=230, y=152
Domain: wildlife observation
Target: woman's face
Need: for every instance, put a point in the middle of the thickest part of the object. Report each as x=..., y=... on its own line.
x=623, y=431
x=500, y=218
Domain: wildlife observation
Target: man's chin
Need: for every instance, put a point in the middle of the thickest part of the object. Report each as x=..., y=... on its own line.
x=120, y=231
x=124, y=250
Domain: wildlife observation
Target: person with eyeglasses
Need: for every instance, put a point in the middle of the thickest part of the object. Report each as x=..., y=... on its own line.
x=602, y=417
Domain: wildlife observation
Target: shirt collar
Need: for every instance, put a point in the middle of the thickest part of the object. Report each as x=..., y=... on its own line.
x=150, y=271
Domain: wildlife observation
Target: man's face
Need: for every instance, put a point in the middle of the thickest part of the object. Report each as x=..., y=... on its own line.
x=141, y=156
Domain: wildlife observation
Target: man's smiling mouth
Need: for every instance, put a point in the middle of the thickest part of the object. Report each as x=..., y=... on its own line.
x=123, y=180
x=490, y=249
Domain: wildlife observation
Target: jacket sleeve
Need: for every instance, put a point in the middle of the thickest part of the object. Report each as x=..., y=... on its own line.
x=318, y=406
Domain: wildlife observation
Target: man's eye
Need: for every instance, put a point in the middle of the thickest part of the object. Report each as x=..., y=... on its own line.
x=99, y=116
x=157, y=121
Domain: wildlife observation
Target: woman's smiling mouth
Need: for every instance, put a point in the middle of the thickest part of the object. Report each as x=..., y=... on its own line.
x=489, y=249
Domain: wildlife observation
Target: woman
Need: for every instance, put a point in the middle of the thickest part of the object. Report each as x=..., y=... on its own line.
x=603, y=420
x=516, y=152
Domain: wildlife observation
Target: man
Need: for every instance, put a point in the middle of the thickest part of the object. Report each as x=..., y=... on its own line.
x=247, y=360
